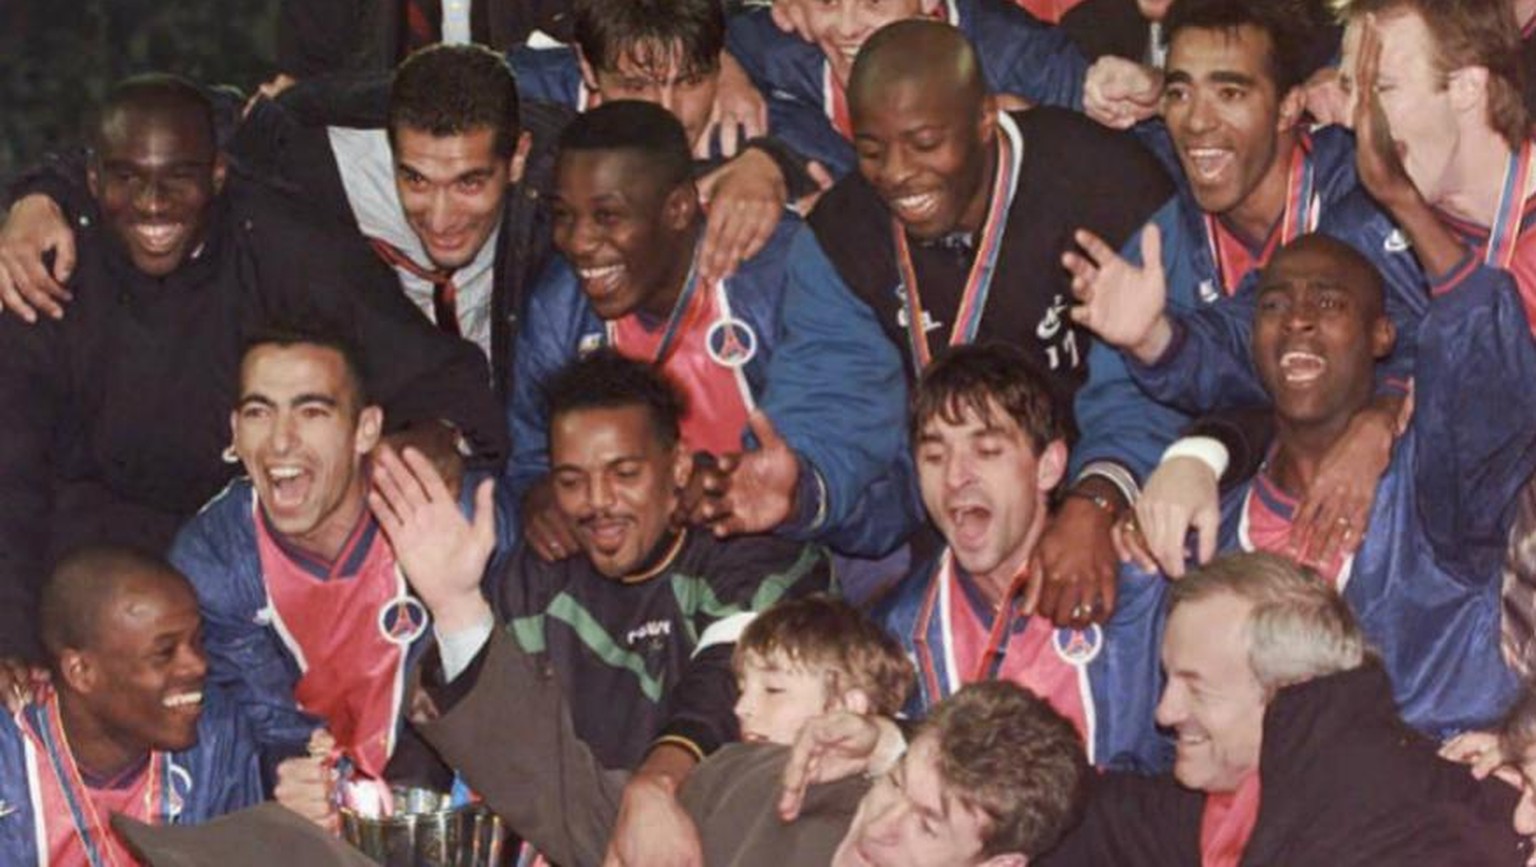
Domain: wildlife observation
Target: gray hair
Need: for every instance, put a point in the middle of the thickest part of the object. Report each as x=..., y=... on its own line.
x=1299, y=628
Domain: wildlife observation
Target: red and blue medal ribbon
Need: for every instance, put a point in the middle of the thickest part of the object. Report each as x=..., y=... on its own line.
x=978, y=284
x=938, y=680
x=680, y=310
x=43, y=720
x=1504, y=234
x=1300, y=216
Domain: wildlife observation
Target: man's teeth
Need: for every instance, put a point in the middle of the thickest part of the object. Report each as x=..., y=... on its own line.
x=1299, y=367
x=918, y=206
x=283, y=474
x=184, y=699
x=599, y=273
x=1209, y=162
x=158, y=235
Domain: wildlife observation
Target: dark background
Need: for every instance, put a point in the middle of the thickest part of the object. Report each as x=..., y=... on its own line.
x=57, y=58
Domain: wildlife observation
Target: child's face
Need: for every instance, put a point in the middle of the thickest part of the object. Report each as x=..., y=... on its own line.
x=778, y=698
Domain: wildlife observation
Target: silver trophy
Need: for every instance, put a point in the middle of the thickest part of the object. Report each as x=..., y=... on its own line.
x=414, y=827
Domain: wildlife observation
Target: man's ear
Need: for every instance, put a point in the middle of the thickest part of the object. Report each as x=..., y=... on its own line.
x=589, y=78
x=1050, y=467
x=1383, y=337
x=220, y=169
x=1469, y=89
x=682, y=467
x=79, y=671
x=370, y=428
x=986, y=121
x=681, y=206
x=1291, y=107
x=854, y=700
x=518, y=163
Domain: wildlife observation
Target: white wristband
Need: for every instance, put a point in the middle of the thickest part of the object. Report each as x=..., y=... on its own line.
x=1207, y=450
x=457, y=649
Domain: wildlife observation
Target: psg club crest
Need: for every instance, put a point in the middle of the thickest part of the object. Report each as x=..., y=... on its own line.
x=402, y=620
x=731, y=342
x=1078, y=646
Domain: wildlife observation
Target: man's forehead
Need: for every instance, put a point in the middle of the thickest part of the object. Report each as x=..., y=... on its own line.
x=161, y=136
x=300, y=367
x=964, y=417
x=476, y=146
x=618, y=432
x=1316, y=264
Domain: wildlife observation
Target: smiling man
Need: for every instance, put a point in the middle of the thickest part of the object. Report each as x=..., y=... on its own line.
x=639, y=623
x=1020, y=55
x=115, y=418
x=309, y=621
x=1290, y=750
x=781, y=350
x=952, y=231
x=1434, y=542
x=1253, y=179
x=128, y=725
x=989, y=449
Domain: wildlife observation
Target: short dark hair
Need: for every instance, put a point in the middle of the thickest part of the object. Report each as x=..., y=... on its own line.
x=607, y=380
x=1006, y=752
x=642, y=128
x=451, y=90
x=1301, y=32
x=86, y=581
x=155, y=93
x=851, y=650
x=971, y=378
x=288, y=334
x=650, y=32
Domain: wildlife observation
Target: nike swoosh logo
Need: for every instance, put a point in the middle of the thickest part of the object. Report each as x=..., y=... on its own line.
x=1395, y=242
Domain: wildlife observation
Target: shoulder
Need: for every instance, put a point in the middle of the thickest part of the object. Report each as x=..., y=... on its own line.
x=898, y=607
x=222, y=532
x=775, y=256
x=1077, y=145
x=987, y=20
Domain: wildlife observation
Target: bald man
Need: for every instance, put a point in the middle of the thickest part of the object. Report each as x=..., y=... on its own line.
x=127, y=726
x=952, y=231
x=115, y=416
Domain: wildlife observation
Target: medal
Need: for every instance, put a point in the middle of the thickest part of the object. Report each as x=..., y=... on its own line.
x=937, y=598
x=1505, y=231
x=680, y=309
x=45, y=726
x=1299, y=217
x=973, y=300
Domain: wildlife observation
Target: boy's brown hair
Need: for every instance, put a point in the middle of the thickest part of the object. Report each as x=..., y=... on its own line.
x=829, y=635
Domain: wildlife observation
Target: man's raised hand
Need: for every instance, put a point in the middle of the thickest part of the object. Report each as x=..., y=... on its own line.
x=442, y=552
x=1124, y=304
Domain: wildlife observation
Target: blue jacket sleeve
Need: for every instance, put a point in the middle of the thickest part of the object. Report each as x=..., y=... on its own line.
x=1025, y=56
x=1474, y=418
x=835, y=388
x=244, y=656
x=1119, y=425
x=545, y=343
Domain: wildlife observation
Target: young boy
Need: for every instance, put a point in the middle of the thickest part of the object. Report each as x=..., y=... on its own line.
x=805, y=657
x=799, y=659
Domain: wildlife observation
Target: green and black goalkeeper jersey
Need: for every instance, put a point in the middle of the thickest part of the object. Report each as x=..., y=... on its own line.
x=649, y=661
